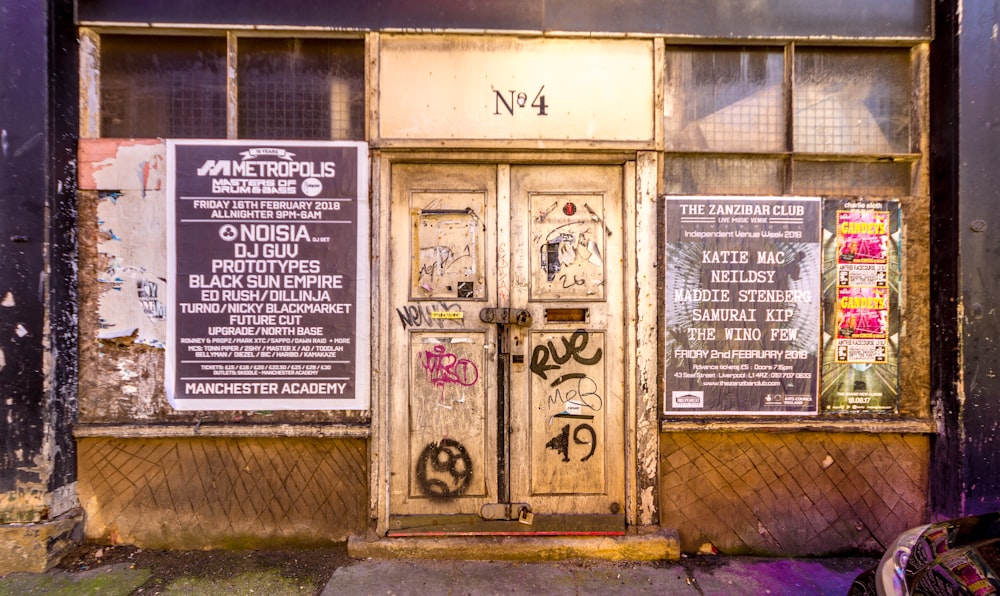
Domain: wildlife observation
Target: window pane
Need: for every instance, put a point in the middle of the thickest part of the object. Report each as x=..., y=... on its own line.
x=724, y=100
x=301, y=88
x=715, y=176
x=851, y=101
x=850, y=178
x=159, y=86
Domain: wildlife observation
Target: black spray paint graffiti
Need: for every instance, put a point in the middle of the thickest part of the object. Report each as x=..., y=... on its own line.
x=581, y=395
x=149, y=297
x=444, y=469
x=572, y=348
x=560, y=442
x=438, y=261
x=422, y=315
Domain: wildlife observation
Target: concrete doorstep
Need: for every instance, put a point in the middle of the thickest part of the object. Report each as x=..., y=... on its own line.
x=658, y=545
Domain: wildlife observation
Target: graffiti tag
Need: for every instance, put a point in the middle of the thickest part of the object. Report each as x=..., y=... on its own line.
x=572, y=349
x=444, y=368
x=583, y=395
x=423, y=315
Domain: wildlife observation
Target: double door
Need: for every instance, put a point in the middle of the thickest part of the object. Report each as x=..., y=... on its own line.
x=506, y=368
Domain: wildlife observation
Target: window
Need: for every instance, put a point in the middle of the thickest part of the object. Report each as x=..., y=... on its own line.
x=724, y=100
x=795, y=120
x=153, y=86
x=176, y=86
x=301, y=89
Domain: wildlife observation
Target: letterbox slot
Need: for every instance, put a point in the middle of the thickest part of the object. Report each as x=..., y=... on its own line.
x=567, y=315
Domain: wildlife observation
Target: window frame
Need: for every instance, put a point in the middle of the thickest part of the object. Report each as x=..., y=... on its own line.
x=91, y=71
x=789, y=158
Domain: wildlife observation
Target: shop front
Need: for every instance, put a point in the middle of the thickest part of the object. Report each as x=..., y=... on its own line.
x=576, y=284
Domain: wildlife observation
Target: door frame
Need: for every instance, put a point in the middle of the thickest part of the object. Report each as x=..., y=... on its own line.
x=640, y=172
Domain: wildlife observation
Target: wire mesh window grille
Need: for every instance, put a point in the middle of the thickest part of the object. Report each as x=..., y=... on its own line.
x=724, y=100
x=300, y=88
x=839, y=127
x=851, y=101
x=176, y=87
x=157, y=86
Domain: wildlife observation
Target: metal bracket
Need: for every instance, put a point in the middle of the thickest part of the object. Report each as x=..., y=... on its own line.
x=504, y=511
x=506, y=316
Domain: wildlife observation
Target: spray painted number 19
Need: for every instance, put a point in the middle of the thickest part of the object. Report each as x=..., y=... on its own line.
x=560, y=442
x=518, y=99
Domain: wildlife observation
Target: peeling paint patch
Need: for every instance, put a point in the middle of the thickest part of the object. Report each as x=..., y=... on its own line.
x=117, y=164
x=20, y=330
x=117, y=333
x=3, y=359
x=24, y=504
x=8, y=300
x=127, y=374
x=89, y=84
x=646, y=506
x=108, y=195
x=62, y=499
x=133, y=241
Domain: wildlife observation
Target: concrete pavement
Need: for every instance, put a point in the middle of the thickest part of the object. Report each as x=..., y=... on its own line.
x=701, y=576
x=690, y=575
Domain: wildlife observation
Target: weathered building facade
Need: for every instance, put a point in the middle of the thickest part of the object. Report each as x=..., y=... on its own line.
x=544, y=356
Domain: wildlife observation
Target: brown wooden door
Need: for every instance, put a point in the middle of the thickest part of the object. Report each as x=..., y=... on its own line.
x=480, y=412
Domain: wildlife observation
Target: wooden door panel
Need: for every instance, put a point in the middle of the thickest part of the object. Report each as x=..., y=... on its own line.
x=447, y=416
x=568, y=422
x=442, y=370
x=568, y=396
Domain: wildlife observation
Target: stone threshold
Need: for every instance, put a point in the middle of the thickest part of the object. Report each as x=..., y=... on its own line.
x=654, y=544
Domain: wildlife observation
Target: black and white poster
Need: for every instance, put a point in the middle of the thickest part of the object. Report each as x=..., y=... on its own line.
x=743, y=305
x=268, y=272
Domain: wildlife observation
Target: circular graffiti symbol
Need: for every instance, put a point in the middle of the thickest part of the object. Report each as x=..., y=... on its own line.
x=447, y=458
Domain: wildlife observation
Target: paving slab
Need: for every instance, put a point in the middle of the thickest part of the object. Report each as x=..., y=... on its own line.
x=630, y=578
x=112, y=580
x=392, y=577
x=738, y=576
x=503, y=577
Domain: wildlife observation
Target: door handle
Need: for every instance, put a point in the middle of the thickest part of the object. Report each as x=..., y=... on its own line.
x=506, y=316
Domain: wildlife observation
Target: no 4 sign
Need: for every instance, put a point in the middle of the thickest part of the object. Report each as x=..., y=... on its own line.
x=513, y=99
